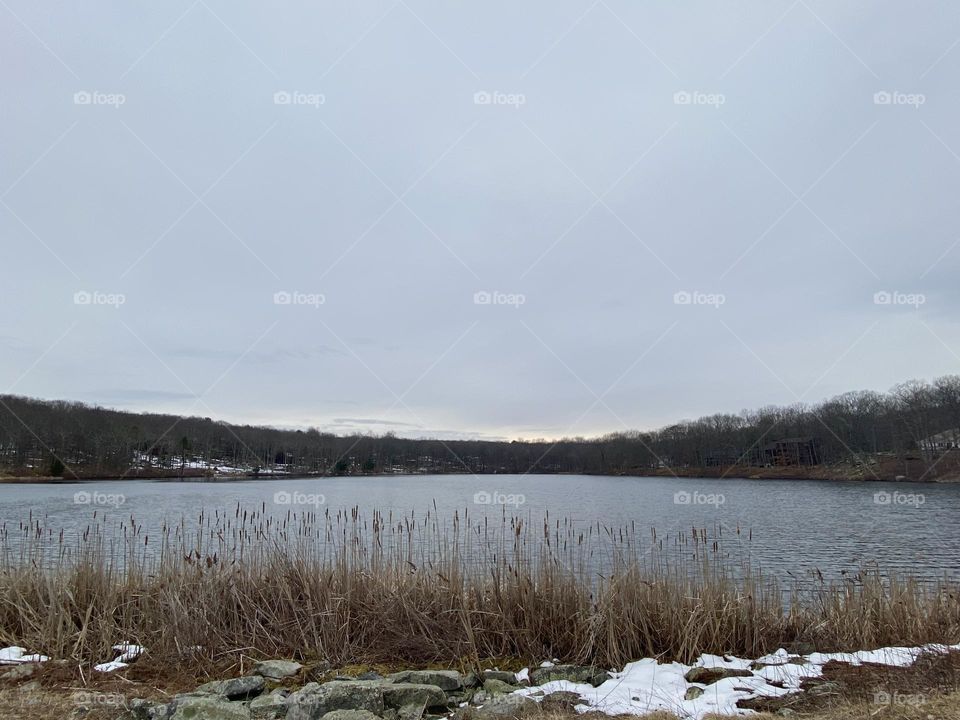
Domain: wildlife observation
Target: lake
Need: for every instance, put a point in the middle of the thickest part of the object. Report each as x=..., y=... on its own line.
x=795, y=526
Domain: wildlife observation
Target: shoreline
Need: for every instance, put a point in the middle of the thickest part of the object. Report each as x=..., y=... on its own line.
x=818, y=473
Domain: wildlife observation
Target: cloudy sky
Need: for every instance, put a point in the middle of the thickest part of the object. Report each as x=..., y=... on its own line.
x=490, y=219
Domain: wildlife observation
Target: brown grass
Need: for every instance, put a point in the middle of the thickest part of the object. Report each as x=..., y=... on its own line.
x=420, y=591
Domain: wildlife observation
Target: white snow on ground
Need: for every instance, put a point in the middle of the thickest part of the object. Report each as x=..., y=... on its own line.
x=14, y=655
x=646, y=685
x=127, y=652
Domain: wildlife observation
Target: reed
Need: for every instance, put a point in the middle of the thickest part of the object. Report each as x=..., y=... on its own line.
x=414, y=590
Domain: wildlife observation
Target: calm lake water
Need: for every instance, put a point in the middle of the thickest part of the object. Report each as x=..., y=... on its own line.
x=796, y=526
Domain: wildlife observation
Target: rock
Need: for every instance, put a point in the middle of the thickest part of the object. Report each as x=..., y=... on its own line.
x=827, y=687
x=471, y=680
x=693, y=692
x=19, y=672
x=350, y=715
x=409, y=700
x=708, y=676
x=498, y=687
x=205, y=707
x=399, y=695
x=562, y=700
x=507, y=706
x=370, y=675
x=269, y=707
x=314, y=701
x=501, y=675
x=572, y=673
x=446, y=680
x=241, y=688
x=276, y=669
x=141, y=709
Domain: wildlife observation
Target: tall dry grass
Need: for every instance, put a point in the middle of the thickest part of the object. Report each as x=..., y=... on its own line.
x=356, y=589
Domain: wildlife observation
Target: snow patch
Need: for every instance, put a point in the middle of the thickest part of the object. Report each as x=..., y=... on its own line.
x=646, y=686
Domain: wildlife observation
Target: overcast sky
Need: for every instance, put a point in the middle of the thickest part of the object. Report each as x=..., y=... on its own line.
x=284, y=213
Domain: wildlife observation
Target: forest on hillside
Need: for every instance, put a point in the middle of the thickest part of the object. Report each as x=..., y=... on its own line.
x=916, y=421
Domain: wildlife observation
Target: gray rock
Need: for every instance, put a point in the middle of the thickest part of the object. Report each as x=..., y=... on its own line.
x=350, y=715
x=408, y=700
x=507, y=706
x=140, y=709
x=19, y=672
x=276, y=669
x=693, y=692
x=205, y=707
x=398, y=695
x=314, y=701
x=446, y=680
x=498, y=687
x=562, y=700
x=826, y=687
x=269, y=707
x=501, y=675
x=708, y=676
x=572, y=673
x=241, y=688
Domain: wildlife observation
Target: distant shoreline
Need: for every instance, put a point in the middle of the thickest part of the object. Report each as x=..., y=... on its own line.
x=816, y=472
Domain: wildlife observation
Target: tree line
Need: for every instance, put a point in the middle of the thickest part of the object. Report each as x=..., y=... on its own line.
x=916, y=420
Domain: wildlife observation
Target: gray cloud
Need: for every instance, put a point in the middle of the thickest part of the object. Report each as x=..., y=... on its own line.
x=481, y=220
